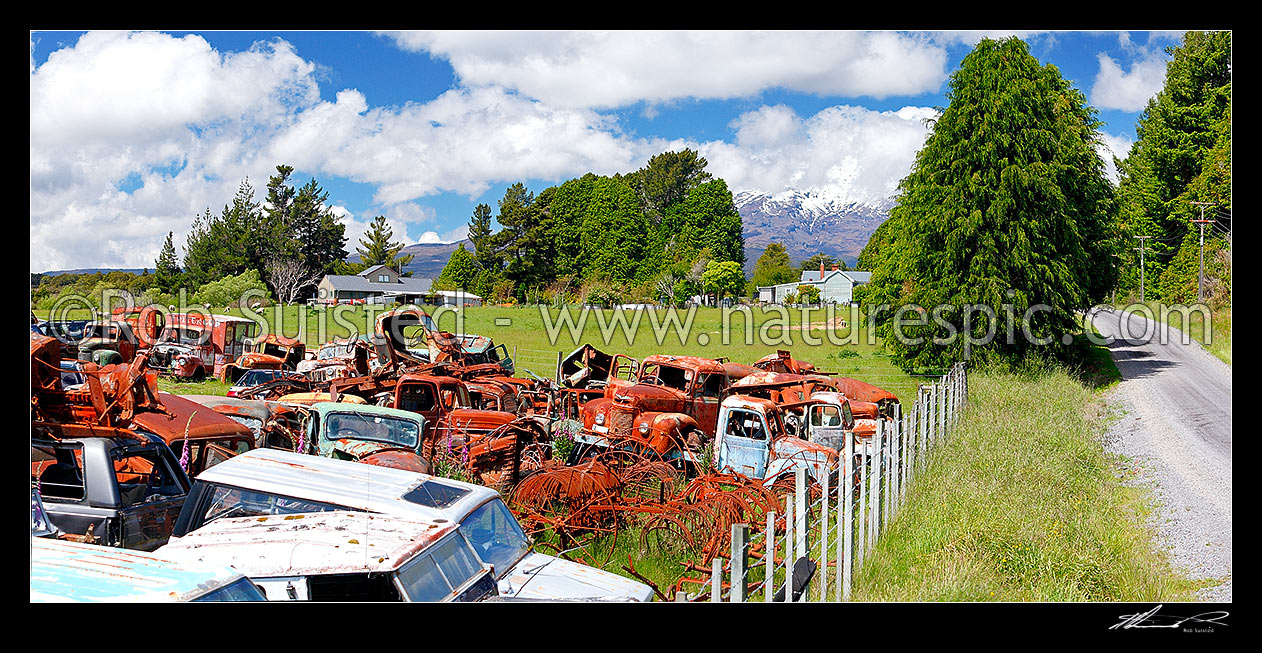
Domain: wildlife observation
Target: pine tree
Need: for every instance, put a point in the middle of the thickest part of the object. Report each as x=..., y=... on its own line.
x=482, y=238
x=167, y=268
x=377, y=248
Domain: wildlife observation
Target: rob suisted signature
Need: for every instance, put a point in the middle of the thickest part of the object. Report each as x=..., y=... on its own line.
x=1151, y=619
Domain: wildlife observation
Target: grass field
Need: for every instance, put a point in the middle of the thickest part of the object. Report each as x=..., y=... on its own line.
x=740, y=336
x=1023, y=505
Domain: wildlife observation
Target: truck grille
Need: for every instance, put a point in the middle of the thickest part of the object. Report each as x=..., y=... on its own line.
x=620, y=425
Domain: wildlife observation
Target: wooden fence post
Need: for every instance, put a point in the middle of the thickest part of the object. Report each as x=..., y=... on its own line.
x=874, y=493
x=740, y=556
x=788, y=546
x=716, y=580
x=801, y=513
x=862, y=517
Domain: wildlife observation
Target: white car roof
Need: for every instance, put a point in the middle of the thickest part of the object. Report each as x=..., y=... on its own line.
x=350, y=484
x=71, y=571
x=337, y=542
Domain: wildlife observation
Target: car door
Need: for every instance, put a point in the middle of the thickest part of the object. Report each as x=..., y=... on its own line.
x=743, y=442
x=828, y=424
x=152, y=490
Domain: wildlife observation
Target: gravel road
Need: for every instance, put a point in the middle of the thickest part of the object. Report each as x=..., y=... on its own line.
x=1175, y=407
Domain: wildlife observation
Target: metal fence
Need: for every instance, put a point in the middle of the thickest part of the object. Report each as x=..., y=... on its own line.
x=812, y=550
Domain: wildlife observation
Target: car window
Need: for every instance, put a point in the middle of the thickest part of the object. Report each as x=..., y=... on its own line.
x=416, y=397
x=423, y=582
x=239, y=590
x=228, y=501
x=142, y=475
x=495, y=535
x=456, y=560
x=58, y=471
x=374, y=428
x=745, y=424
x=825, y=416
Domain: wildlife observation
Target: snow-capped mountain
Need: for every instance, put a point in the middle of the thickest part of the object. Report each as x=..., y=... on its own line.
x=808, y=222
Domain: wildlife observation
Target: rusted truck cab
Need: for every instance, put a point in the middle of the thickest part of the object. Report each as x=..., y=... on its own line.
x=373, y=435
x=106, y=342
x=121, y=491
x=271, y=352
x=195, y=345
x=445, y=404
x=145, y=321
x=752, y=439
x=672, y=409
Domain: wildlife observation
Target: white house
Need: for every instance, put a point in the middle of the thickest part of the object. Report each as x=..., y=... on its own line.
x=835, y=286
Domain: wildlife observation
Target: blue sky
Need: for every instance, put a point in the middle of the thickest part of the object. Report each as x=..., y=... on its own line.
x=135, y=133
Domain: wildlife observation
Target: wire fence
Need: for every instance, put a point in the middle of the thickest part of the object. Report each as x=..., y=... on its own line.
x=812, y=550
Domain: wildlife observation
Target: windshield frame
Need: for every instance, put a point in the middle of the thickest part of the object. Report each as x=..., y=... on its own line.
x=331, y=437
x=521, y=552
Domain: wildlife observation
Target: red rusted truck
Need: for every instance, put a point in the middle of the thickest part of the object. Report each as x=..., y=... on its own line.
x=671, y=409
x=197, y=345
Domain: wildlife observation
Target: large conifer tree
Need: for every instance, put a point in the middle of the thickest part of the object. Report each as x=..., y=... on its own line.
x=1007, y=203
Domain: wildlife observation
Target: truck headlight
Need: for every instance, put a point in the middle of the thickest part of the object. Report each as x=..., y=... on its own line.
x=600, y=418
x=644, y=428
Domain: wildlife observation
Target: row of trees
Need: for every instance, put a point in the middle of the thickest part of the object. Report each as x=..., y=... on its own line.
x=1182, y=156
x=657, y=231
x=1007, y=207
x=290, y=241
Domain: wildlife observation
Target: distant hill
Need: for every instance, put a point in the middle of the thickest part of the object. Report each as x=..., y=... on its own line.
x=57, y=273
x=428, y=259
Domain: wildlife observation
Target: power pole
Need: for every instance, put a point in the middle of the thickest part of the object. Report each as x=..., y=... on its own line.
x=1200, y=277
x=1141, y=249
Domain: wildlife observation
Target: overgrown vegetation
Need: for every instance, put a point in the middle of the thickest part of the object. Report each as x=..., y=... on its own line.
x=1023, y=504
x=1182, y=157
x=648, y=235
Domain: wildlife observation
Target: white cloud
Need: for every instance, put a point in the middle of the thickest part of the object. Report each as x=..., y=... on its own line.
x=1119, y=146
x=462, y=141
x=843, y=151
x=134, y=134
x=612, y=69
x=184, y=121
x=1115, y=88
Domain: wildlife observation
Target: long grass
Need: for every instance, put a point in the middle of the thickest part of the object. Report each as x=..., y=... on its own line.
x=1023, y=504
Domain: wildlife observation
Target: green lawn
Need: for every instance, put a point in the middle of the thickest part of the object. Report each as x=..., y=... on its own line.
x=1023, y=504
x=711, y=332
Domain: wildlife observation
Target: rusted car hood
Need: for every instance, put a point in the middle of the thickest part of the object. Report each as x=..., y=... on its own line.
x=858, y=390
x=206, y=423
x=258, y=360
x=651, y=397
x=479, y=419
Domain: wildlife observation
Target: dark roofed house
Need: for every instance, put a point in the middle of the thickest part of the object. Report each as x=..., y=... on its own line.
x=379, y=284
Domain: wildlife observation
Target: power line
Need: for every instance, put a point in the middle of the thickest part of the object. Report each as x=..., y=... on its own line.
x=1200, y=278
x=1142, y=248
